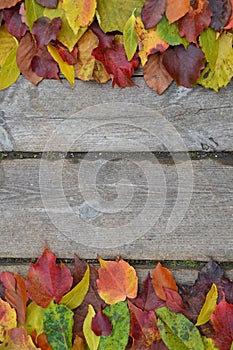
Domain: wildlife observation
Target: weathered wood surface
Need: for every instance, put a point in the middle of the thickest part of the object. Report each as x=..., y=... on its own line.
x=121, y=190
x=29, y=115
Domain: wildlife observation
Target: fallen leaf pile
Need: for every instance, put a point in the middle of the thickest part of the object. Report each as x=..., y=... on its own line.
x=90, y=309
x=187, y=41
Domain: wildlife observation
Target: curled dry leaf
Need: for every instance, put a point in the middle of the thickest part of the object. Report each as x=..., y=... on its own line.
x=26, y=52
x=155, y=74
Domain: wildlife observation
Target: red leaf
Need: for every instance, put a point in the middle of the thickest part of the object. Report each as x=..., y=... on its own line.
x=155, y=74
x=162, y=277
x=112, y=54
x=40, y=341
x=221, y=10
x=51, y=4
x=184, y=65
x=195, y=21
x=5, y=4
x=66, y=55
x=47, y=281
x=222, y=320
x=101, y=324
x=143, y=327
x=13, y=22
x=152, y=12
x=15, y=293
x=148, y=300
x=46, y=30
x=19, y=340
x=44, y=65
x=174, y=301
x=25, y=53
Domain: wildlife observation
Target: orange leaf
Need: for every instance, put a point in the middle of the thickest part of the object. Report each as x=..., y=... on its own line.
x=41, y=341
x=176, y=9
x=162, y=277
x=19, y=340
x=117, y=280
x=79, y=344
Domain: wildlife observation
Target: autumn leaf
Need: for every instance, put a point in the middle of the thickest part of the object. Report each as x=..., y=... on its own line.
x=44, y=65
x=174, y=301
x=66, y=69
x=112, y=54
x=40, y=341
x=176, y=9
x=177, y=332
x=34, y=319
x=45, y=30
x=229, y=24
x=15, y=293
x=113, y=18
x=117, y=281
x=162, y=277
x=91, y=338
x=58, y=324
x=184, y=65
x=52, y=4
x=148, y=300
x=195, y=21
x=79, y=344
x=152, y=12
x=170, y=33
x=222, y=320
x=79, y=13
x=143, y=327
x=130, y=37
x=7, y=319
x=221, y=10
x=13, y=22
x=119, y=317
x=33, y=11
x=100, y=324
x=19, y=340
x=149, y=41
x=47, y=281
x=155, y=74
x=219, y=55
x=25, y=53
x=8, y=3
x=209, y=306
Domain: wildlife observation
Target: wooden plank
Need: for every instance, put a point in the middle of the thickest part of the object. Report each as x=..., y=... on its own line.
x=98, y=118
x=117, y=205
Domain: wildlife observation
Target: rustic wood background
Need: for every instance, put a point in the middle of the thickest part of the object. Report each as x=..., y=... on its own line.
x=116, y=138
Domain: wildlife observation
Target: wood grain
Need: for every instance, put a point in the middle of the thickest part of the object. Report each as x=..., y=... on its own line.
x=97, y=117
x=124, y=187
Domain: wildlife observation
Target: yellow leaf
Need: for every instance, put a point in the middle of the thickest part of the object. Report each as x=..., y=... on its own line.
x=130, y=37
x=75, y=297
x=7, y=320
x=91, y=339
x=79, y=13
x=66, y=69
x=34, y=319
x=209, y=306
x=7, y=44
x=149, y=41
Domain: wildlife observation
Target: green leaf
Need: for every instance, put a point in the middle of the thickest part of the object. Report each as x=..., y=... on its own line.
x=209, y=345
x=75, y=297
x=113, y=17
x=66, y=35
x=80, y=13
x=219, y=69
x=177, y=332
x=68, y=71
x=9, y=71
x=209, y=306
x=91, y=339
x=210, y=46
x=231, y=346
x=170, y=33
x=58, y=324
x=120, y=318
x=34, y=319
x=130, y=37
x=33, y=11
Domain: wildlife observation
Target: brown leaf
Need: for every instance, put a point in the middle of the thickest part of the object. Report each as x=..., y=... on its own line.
x=13, y=22
x=184, y=65
x=155, y=74
x=25, y=53
x=44, y=65
x=176, y=9
x=229, y=24
x=162, y=277
x=40, y=341
x=46, y=30
x=221, y=10
x=152, y=12
x=4, y=4
x=195, y=21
